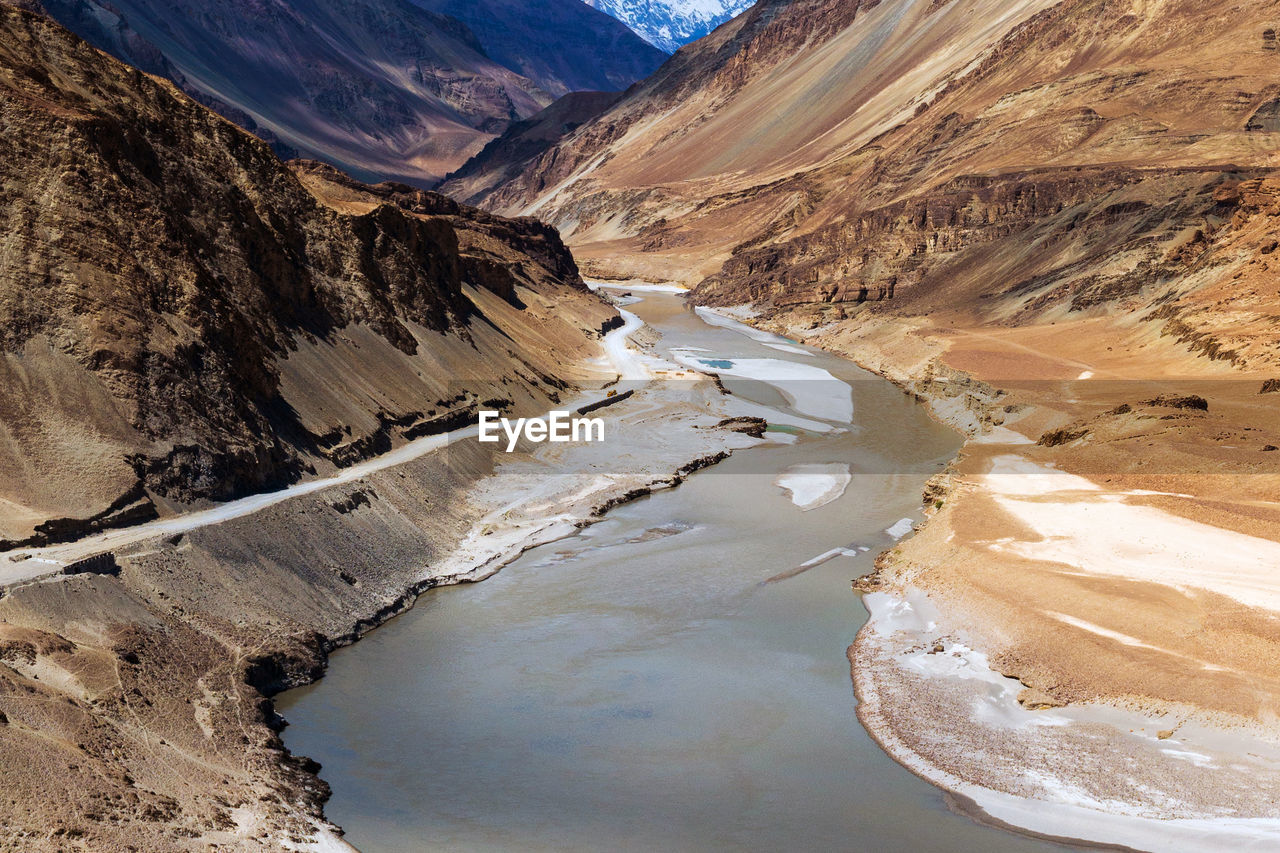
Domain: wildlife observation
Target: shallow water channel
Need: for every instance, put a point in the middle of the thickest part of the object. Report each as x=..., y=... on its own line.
x=638, y=686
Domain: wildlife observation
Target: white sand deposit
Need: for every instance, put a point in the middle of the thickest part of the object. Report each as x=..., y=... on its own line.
x=909, y=659
x=718, y=317
x=1081, y=525
x=794, y=350
x=901, y=528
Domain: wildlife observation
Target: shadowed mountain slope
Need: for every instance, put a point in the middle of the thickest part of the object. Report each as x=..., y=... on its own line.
x=379, y=87
x=505, y=158
x=382, y=88
x=562, y=45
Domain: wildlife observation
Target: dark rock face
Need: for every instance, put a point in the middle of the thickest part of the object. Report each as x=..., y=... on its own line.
x=747, y=425
x=1179, y=401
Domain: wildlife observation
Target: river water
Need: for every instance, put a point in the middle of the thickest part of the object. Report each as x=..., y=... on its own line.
x=639, y=686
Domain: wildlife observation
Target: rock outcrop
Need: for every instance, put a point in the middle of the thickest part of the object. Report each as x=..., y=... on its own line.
x=182, y=317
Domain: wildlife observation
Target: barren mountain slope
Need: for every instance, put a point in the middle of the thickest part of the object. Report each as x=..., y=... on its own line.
x=506, y=157
x=382, y=88
x=796, y=115
x=182, y=319
x=927, y=152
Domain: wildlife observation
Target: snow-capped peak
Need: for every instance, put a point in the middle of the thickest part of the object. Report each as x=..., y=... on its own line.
x=668, y=24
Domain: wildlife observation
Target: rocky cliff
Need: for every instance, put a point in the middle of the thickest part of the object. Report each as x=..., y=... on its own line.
x=185, y=319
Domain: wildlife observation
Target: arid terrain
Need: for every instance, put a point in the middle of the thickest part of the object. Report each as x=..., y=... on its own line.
x=160, y=352
x=1052, y=221
x=1055, y=221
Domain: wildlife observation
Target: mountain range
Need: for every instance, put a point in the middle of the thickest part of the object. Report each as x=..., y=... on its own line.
x=669, y=24
x=381, y=88
x=1052, y=219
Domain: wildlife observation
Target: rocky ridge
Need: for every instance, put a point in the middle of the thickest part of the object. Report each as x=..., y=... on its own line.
x=185, y=320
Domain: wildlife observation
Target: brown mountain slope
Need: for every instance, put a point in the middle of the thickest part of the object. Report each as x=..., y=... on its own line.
x=182, y=319
x=771, y=131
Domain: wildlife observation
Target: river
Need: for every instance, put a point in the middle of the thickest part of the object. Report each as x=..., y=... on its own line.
x=640, y=686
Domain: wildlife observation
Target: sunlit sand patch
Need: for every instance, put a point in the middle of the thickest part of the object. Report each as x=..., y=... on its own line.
x=1096, y=531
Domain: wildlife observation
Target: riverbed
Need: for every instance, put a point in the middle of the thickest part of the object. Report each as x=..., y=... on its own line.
x=672, y=678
